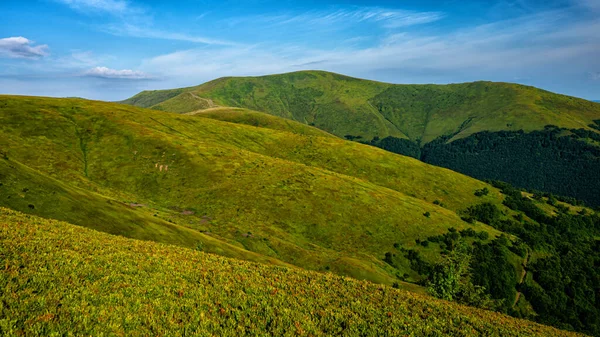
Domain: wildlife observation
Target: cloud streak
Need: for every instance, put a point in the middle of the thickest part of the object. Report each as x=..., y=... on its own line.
x=518, y=47
x=388, y=18
x=114, y=7
x=125, y=74
x=20, y=47
x=131, y=30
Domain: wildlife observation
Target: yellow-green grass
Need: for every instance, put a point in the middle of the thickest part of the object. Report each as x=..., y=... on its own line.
x=346, y=106
x=258, y=119
x=60, y=279
x=315, y=202
x=22, y=188
x=185, y=101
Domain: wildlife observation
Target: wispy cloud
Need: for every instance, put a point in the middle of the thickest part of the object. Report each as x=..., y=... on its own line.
x=389, y=18
x=125, y=74
x=516, y=47
x=595, y=75
x=20, y=47
x=115, y=7
x=131, y=20
x=131, y=30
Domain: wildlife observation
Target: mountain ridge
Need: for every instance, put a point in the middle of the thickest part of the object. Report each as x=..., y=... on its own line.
x=371, y=100
x=440, y=124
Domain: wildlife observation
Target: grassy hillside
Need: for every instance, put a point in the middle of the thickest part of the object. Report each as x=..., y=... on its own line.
x=258, y=119
x=428, y=121
x=62, y=279
x=32, y=192
x=319, y=203
x=347, y=106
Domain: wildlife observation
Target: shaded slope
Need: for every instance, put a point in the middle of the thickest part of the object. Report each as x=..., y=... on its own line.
x=331, y=205
x=62, y=279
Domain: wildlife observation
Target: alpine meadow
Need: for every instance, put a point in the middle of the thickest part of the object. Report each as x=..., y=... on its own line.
x=424, y=168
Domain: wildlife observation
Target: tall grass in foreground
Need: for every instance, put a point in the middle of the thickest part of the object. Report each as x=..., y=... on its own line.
x=60, y=279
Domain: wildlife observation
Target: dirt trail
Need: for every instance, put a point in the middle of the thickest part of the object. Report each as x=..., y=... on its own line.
x=216, y=108
x=208, y=101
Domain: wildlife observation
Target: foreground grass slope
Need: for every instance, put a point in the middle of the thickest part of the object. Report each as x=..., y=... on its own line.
x=347, y=106
x=63, y=279
x=320, y=203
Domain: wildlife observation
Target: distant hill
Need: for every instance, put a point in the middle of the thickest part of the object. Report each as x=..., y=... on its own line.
x=426, y=122
x=348, y=106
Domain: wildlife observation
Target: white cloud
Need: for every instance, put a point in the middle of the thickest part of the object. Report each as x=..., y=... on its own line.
x=20, y=47
x=125, y=74
x=127, y=29
x=595, y=76
x=517, y=47
x=110, y=6
x=388, y=18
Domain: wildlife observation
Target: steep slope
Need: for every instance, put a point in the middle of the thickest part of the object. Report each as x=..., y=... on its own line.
x=440, y=124
x=62, y=279
x=316, y=202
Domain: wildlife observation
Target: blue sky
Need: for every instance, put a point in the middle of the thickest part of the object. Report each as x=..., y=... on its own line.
x=112, y=49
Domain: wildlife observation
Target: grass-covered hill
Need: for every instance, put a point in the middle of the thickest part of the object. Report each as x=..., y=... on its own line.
x=60, y=279
x=258, y=119
x=264, y=194
x=256, y=187
x=348, y=106
x=483, y=129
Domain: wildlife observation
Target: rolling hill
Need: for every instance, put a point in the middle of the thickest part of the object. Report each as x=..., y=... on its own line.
x=257, y=187
x=53, y=272
x=456, y=126
x=344, y=106
x=302, y=197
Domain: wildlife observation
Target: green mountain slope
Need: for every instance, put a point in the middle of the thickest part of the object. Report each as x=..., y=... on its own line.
x=320, y=203
x=347, y=106
x=257, y=187
x=258, y=119
x=440, y=124
x=62, y=279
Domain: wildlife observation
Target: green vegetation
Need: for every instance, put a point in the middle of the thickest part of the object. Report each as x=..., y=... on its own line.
x=555, y=160
x=60, y=279
x=282, y=194
x=256, y=187
x=259, y=119
x=344, y=106
x=565, y=254
x=483, y=129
